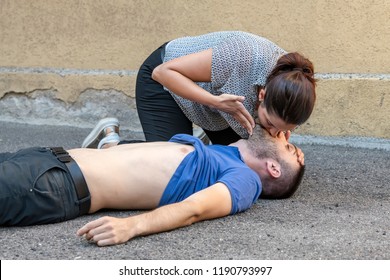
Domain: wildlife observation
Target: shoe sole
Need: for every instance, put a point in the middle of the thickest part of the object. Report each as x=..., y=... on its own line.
x=199, y=133
x=97, y=134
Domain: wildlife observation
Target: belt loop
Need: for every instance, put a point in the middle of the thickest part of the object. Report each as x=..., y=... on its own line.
x=81, y=188
x=61, y=154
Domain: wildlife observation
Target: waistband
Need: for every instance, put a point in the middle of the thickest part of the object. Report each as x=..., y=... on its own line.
x=83, y=195
x=162, y=50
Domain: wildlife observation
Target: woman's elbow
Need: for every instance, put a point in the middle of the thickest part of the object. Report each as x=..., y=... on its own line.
x=157, y=73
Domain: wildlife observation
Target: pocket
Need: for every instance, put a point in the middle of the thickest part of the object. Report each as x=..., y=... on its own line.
x=48, y=197
x=46, y=182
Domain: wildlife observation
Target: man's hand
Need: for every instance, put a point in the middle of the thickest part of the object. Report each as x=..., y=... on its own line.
x=108, y=230
x=300, y=154
x=232, y=105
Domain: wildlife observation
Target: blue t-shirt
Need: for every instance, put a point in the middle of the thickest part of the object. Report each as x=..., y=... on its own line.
x=207, y=165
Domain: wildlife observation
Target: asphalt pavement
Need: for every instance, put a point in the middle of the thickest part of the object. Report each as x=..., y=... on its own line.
x=341, y=211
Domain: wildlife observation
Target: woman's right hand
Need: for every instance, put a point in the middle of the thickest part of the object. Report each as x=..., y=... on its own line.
x=233, y=105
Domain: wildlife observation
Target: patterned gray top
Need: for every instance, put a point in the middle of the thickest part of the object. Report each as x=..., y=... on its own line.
x=240, y=62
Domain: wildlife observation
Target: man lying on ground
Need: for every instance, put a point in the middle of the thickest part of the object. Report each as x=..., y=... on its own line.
x=182, y=181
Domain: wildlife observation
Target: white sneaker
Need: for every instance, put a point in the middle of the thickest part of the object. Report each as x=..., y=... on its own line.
x=106, y=131
x=199, y=133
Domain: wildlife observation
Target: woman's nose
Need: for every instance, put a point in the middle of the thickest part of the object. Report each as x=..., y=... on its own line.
x=281, y=134
x=274, y=132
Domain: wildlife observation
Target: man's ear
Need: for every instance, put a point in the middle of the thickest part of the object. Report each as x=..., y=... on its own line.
x=273, y=168
x=261, y=94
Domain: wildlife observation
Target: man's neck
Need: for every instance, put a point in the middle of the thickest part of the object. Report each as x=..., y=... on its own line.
x=253, y=162
x=242, y=147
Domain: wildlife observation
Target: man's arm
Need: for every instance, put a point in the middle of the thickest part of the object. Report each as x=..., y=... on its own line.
x=212, y=202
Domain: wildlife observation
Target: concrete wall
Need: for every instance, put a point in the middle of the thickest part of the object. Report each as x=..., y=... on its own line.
x=76, y=61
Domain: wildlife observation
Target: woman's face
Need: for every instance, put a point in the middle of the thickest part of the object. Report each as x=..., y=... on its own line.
x=271, y=122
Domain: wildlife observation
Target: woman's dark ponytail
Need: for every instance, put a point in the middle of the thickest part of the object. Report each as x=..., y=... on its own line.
x=292, y=62
x=290, y=89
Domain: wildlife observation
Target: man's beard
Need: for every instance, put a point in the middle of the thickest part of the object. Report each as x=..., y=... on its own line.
x=262, y=144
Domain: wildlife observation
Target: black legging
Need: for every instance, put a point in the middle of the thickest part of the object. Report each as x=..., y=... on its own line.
x=160, y=116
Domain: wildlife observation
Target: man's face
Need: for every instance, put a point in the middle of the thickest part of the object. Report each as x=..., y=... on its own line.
x=281, y=162
x=276, y=147
x=287, y=151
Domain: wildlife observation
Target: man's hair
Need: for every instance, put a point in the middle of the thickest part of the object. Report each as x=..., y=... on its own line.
x=284, y=186
x=262, y=146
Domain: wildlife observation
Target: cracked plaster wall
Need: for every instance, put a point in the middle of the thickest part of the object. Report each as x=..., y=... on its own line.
x=76, y=61
x=43, y=107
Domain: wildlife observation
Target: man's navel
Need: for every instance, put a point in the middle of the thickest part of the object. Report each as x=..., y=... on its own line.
x=186, y=150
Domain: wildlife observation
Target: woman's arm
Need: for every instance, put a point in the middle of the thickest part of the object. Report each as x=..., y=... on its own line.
x=179, y=76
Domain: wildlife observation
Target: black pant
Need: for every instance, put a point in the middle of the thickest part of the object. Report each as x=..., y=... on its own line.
x=35, y=188
x=160, y=116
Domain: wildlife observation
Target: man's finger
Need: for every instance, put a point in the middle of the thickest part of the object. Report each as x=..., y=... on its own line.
x=89, y=226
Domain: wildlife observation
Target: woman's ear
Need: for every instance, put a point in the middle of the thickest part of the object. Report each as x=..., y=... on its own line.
x=273, y=168
x=261, y=94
